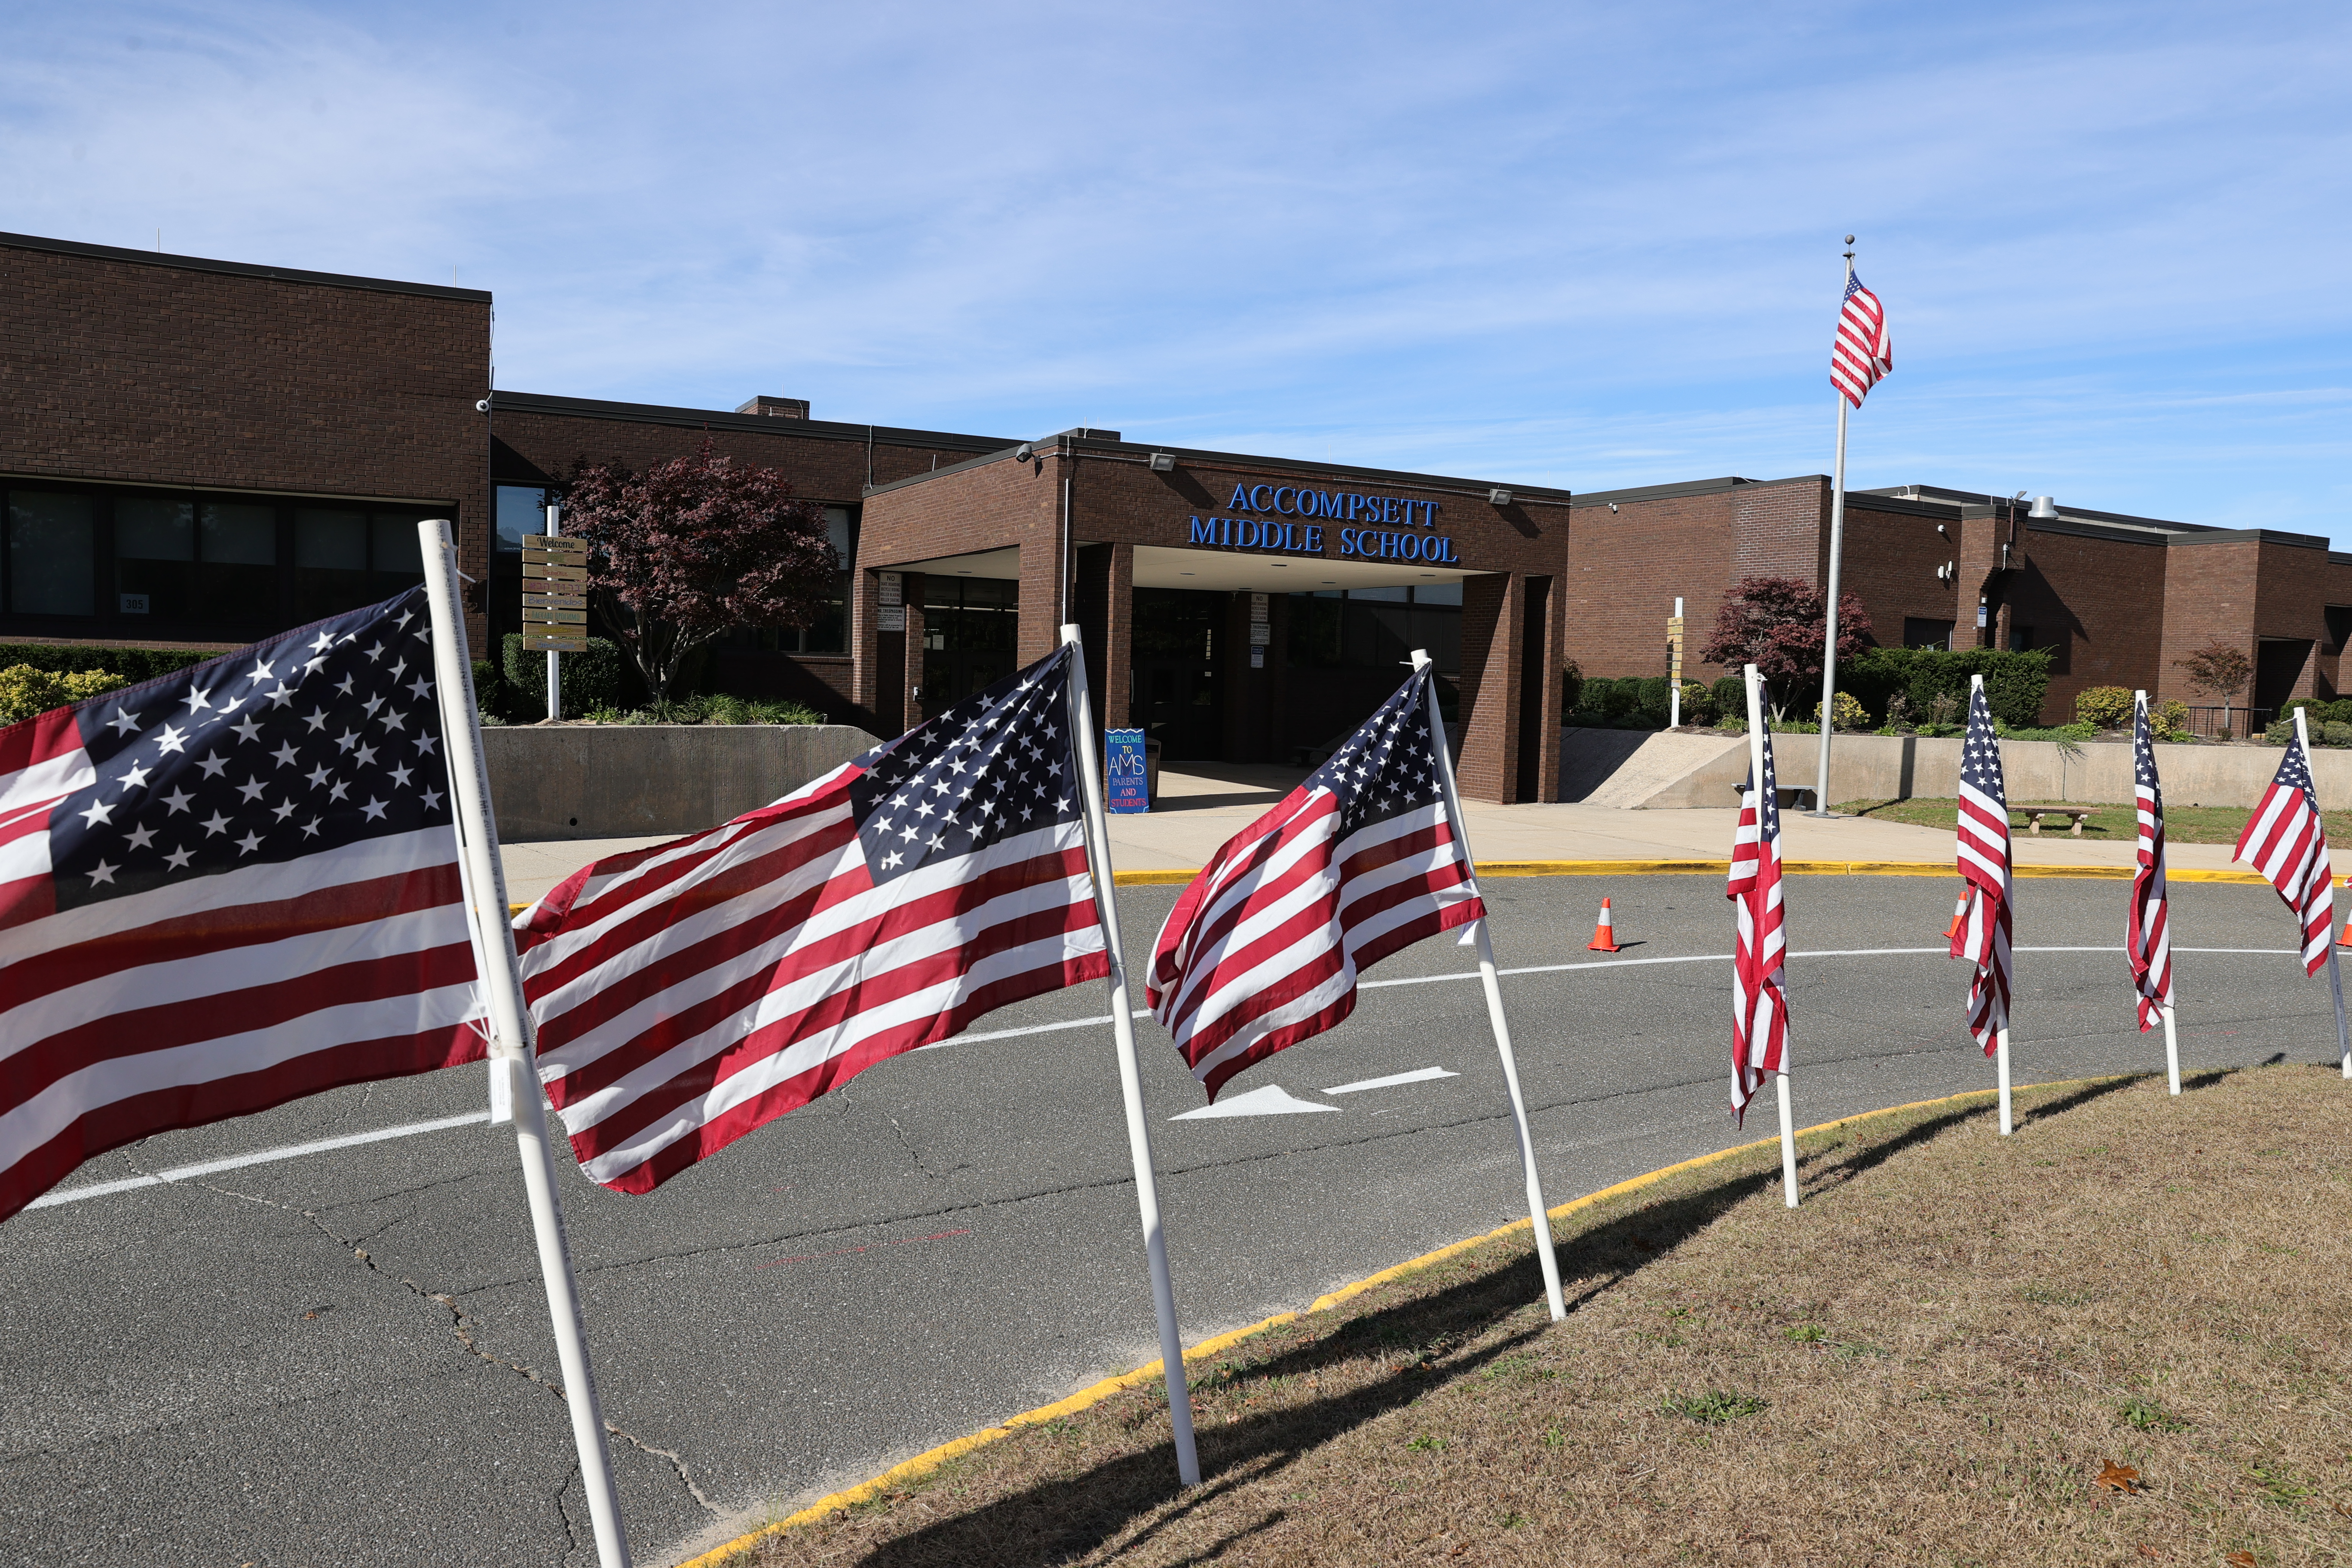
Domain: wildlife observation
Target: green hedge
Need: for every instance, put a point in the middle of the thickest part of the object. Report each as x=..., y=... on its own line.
x=591, y=679
x=2015, y=683
x=134, y=664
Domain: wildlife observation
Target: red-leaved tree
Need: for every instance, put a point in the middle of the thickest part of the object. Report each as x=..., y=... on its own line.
x=692, y=548
x=1780, y=624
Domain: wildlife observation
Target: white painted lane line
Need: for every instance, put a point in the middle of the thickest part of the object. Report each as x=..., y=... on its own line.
x=258, y=1157
x=1421, y=1075
x=326, y=1145
x=1271, y=1100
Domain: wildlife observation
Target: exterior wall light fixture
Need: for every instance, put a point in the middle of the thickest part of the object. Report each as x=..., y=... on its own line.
x=1498, y=497
x=1163, y=462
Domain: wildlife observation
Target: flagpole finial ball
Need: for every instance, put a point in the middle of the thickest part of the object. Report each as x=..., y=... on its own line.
x=1849, y=240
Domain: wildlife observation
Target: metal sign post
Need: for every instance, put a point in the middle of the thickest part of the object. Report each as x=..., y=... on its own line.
x=1675, y=669
x=554, y=601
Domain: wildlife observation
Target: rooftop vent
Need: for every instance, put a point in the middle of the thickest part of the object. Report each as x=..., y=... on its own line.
x=777, y=407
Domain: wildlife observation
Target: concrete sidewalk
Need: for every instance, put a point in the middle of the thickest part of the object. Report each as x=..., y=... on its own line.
x=1205, y=804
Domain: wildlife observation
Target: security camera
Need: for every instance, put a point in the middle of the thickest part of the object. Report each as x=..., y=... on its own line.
x=483, y=406
x=1612, y=508
x=1021, y=454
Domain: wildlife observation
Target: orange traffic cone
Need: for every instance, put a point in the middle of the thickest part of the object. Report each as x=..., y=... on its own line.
x=1959, y=913
x=2344, y=938
x=1604, y=935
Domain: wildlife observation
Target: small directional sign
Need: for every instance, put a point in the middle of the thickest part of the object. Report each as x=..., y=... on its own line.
x=554, y=594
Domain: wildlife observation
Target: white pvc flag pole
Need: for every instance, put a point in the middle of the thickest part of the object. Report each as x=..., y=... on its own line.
x=1756, y=782
x=2171, y=1040
x=2334, y=970
x=1537, y=1214
x=555, y=660
x=1130, y=1076
x=511, y=1035
x=2008, y=876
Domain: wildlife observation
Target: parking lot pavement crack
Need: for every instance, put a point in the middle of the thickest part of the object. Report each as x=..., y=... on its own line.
x=914, y=1156
x=563, y=1513
x=685, y=1475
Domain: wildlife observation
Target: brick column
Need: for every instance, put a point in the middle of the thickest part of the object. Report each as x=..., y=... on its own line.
x=1553, y=690
x=1040, y=566
x=1103, y=603
x=865, y=673
x=1492, y=609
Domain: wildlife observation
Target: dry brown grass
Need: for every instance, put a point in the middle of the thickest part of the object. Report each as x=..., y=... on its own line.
x=1933, y=1361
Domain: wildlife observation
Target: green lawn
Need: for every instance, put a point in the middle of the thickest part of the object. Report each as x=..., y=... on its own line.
x=2117, y=823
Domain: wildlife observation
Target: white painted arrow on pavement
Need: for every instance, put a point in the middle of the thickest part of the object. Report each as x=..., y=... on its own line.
x=1271, y=1100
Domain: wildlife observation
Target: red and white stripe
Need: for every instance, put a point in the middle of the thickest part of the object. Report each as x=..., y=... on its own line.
x=1760, y=997
x=2147, y=932
x=689, y=993
x=2286, y=842
x=1263, y=947
x=1862, y=352
x=215, y=997
x=1984, y=934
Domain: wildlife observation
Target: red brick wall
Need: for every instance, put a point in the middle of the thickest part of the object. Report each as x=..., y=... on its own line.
x=173, y=375
x=1891, y=559
x=2099, y=606
x=2209, y=597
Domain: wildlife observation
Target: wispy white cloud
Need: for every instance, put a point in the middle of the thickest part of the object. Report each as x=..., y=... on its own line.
x=1589, y=247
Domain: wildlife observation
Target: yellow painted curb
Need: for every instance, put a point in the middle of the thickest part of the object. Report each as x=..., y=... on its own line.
x=1154, y=878
x=924, y=1463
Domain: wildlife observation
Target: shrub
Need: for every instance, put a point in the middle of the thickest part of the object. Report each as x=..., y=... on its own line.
x=2015, y=683
x=132, y=664
x=2169, y=720
x=2103, y=706
x=1849, y=714
x=591, y=679
x=2280, y=732
x=25, y=692
x=1652, y=697
x=2333, y=734
x=1698, y=704
x=1731, y=698
x=1572, y=688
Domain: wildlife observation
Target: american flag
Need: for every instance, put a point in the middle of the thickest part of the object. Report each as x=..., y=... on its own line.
x=1760, y=997
x=1262, y=949
x=1862, y=352
x=2148, y=935
x=225, y=889
x=1983, y=856
x=689, y=993
x=2285, y=841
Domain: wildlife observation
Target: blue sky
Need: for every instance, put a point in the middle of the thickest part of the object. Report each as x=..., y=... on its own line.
x=1577, y=246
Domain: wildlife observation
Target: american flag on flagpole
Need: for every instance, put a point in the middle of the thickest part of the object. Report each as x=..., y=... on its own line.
x=2148, y=933
x=1862, y=352
x=1760, y=999
x=688, y=994
x=1263, y=947
x=1983, y=858
x=227, y=889
x=2286, y=841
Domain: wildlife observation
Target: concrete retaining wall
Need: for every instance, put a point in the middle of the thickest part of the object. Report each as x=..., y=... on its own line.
x=1891, y=767
x=616, y=780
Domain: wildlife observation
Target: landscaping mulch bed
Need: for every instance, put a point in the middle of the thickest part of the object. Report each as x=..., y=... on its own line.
x=2116, y=1337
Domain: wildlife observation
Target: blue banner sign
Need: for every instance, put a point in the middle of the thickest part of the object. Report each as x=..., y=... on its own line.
x=1125, y=780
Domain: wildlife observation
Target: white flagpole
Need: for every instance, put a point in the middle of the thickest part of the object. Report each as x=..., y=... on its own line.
x=2335, y=969
x=555, y=660
x=1756, y=782
x=1545, y=1257
x=1821, y=796
x=1130, y=1076
x=512, y=1039
x=2171, y=1039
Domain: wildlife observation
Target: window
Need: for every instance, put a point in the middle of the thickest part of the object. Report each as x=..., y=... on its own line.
x=522, y=509
x=1369, y=628
x=237, y=561
x=52, y=554
x=154, y=557
x=395, y=558
x=329, y=562
x=1918, y=632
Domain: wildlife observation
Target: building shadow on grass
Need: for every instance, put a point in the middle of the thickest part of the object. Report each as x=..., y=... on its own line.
x=1426, y=1341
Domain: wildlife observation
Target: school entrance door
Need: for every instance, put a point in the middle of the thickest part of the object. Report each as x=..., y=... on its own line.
x=1178, y=660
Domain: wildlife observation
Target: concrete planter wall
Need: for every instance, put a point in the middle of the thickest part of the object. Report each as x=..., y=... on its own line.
x=616, y=781
x=1892, y=767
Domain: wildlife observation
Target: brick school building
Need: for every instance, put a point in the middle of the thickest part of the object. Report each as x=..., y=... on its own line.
x=199, y=453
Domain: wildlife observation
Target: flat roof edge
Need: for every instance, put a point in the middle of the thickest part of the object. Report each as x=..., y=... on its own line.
x=1139, y=450
x=236, y=268
x=1687, y=487
x=727, y=419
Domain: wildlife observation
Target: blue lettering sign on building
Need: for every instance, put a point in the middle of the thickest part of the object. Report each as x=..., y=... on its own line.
x=1385, y=540
x=1127, y=779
